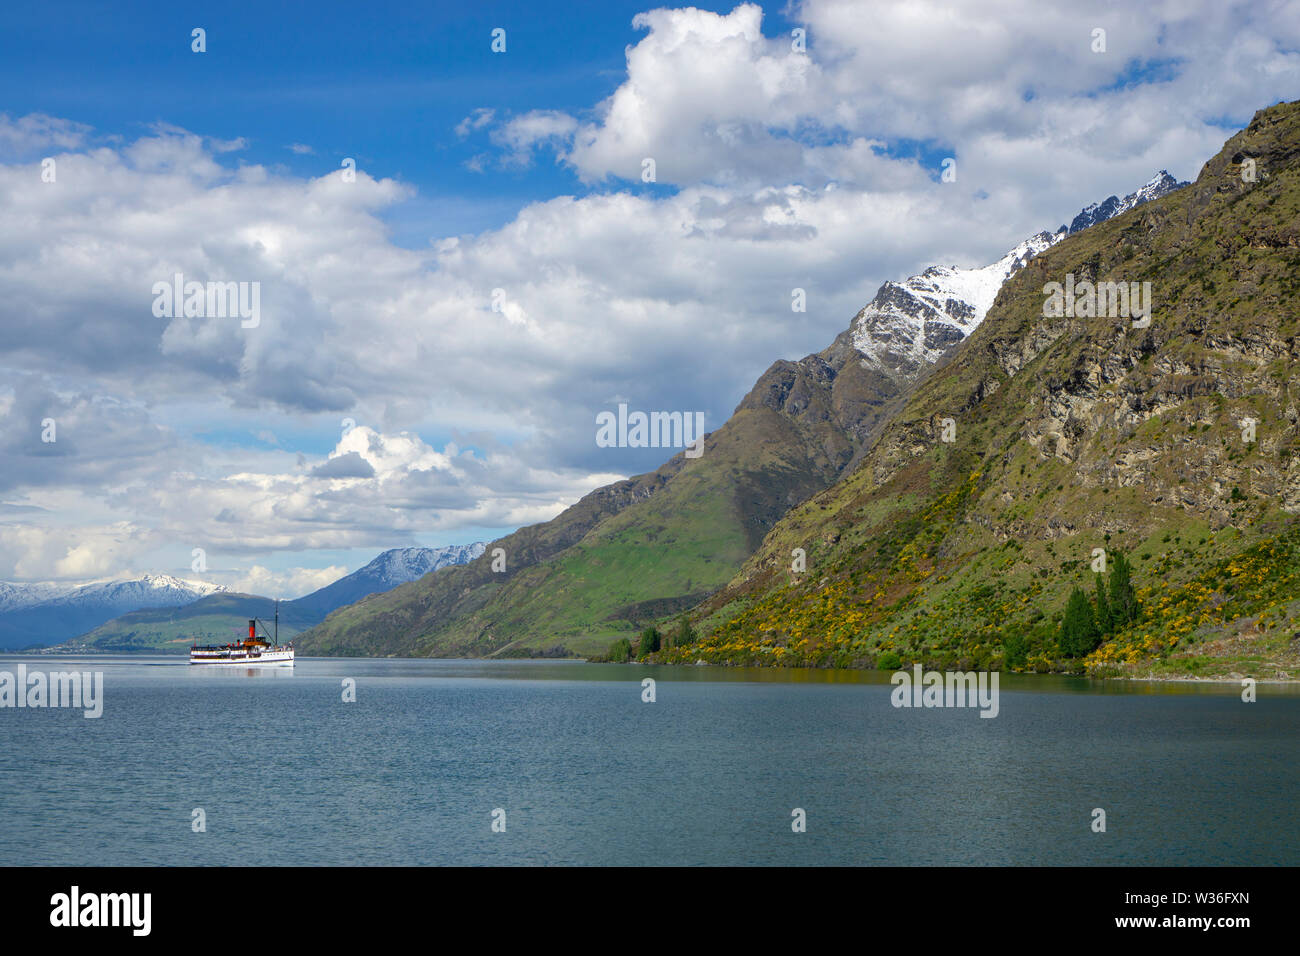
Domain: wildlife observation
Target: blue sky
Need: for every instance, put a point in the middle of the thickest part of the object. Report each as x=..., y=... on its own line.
x=383, y=82
x=777, y=169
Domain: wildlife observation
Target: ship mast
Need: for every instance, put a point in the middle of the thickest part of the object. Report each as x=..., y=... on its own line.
x=262, y=624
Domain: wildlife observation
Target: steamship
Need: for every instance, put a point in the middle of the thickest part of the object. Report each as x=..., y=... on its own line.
x=249, y=651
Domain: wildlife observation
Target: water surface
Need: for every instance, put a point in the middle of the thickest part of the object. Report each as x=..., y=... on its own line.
x=287, y=773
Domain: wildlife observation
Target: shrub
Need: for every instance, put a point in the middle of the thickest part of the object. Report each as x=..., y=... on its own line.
x=889, y=661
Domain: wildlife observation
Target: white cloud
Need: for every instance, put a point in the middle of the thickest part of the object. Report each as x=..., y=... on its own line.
x=27, y=134
x=712, y=99
x=288, y=584
x=706, y=97
x=475, y=121
x=522, y=134
x=48, y=551
x=228, y=145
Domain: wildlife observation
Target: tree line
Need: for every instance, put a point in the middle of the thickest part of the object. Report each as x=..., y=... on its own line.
x=653, y=640
x=1089, y=621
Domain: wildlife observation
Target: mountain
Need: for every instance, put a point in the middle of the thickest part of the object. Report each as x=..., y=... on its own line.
x=43, y=614
x=14, y=596
x=384, y=573
x=910, y=324
x=657, y=544
x=1175, y=444
x=223, y=616
x=1161, y=184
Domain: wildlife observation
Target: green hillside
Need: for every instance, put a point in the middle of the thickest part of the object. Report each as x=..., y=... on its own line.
x=216, y=619
x=1075, y=434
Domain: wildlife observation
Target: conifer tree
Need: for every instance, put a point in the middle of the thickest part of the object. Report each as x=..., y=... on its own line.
x=1079, y=628
x=1123, y=598
x=685, y=633
x=1105, y=620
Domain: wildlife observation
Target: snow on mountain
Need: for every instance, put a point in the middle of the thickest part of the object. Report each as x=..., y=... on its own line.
x=387, y=571
x=14, y=596
x=47, y=613
x=401, y=565
x=151, y=590
x=1159, y=184
x=911, y=323
x=34, y=615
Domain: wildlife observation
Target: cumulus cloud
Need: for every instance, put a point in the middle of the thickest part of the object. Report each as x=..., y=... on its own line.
x=25, y=135
x=53, y=550
x=347, y=465
x=708, y=97
x=288, y=584
x=521, y=134
x=1011, y=89
x=373, y=490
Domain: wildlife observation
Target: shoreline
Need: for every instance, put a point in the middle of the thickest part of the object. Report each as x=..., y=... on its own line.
x=1132, y=678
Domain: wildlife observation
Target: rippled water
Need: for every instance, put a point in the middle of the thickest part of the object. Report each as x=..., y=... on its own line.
x=287, y=773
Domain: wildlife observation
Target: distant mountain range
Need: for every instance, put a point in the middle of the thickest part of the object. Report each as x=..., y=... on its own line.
x=149, y=611
x=42, y=614
x=386, y=572
x=636, y=551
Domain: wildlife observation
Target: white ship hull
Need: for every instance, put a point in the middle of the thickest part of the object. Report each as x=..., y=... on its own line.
x=277, y=657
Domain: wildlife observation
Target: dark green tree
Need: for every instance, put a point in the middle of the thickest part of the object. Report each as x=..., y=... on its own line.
x=620, y=651
x=1105, y=623
x=1015, y=650
x=1079, y=627
x=1123, y=598
x=685, y=634
x=649, y=642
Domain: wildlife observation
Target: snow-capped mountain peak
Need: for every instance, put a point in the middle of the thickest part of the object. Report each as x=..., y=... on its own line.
x=910, y=324
x=400, y=565
x=1157, y=186
x=149, y=590
x=155, y=590
x=913, y=322
x=387, y=571
x=50, y=612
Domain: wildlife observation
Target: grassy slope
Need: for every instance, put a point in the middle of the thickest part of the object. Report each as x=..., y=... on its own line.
x=1075, y=434
x=215, y=619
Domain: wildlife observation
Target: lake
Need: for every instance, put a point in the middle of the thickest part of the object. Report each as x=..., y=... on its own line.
x=286, y=772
